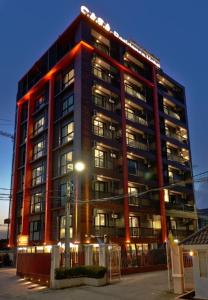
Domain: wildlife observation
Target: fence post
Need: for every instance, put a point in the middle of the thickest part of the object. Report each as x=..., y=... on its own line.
x=177, y=269
x=55, y=263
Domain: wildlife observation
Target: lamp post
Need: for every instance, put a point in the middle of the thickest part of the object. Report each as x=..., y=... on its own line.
x=79, y=167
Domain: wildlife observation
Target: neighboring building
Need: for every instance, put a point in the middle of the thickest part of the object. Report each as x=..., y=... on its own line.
x=197, y=244
x=202, y=217
x=94, y=97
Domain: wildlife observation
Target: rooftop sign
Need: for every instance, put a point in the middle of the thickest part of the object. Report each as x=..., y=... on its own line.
x=91, y=15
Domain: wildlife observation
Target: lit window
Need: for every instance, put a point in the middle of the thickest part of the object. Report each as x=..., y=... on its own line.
x=130, y=114
x=156, y=222
x=133, y=221
x=98, y=128
x=38, y=175
x=100, y=219
x=67, y=104
x=130, y=139
x=62, y=227
x=39, y=125
x=133, y=191
x=67, y=133
x=36, y=203
x=38, y=149
x=99, y=158
x=66, y=163
x=68, y=78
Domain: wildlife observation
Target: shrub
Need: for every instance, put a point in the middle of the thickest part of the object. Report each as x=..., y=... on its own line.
x=80, y=271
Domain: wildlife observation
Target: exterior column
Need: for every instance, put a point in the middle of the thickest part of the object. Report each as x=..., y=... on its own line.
x=28, y=172
x=159, y=158
x=125, y=163
x=48, y=199
x=12, y=241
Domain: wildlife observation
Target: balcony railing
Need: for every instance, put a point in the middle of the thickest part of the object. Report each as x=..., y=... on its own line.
x=105, y=75
x=137, y=172
x=134, y=91
x=177, y=158
x=142, y=202
x=109, y=104
x=105, y=163
x=171, y=92
x=171, y=113
x=136, y=144
x=100, y=231
x=134, y=118
x=180, y=206
x=135, y=68
x=176, y=136
x=102, y=132
x=102, y=47
x=144, y=232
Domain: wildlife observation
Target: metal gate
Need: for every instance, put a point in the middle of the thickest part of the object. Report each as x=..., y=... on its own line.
x=114, y=262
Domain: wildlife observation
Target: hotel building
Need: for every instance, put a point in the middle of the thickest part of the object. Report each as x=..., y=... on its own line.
x=97, y=98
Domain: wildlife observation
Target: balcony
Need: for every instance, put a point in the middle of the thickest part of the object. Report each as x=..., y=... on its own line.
x=176, y=136
x=144, y=232
x=171, y=113
x=136, y=144
x=134, y=91
x=176, y=158
x=107, y=103
x=100, y=231
x=135, y=118
x=170, y=89
x=102, y=47
x=105, y=163
x=105, y=75
x=143, y=202
x=102, y=132
x=179, y=205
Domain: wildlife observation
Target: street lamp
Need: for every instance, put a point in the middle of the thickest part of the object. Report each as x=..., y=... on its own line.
x=79, y=167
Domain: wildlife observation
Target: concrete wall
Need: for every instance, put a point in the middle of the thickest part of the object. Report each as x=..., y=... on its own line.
x=200, y=283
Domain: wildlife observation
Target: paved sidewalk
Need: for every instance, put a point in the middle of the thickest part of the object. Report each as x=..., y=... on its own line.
x=150, y=286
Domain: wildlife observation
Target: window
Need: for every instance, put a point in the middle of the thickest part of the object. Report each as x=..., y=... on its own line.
x=100, y=186
x=68, y=78
x=133, y=191
x=156, y=224
x=66, y=163
x=130, y=114
x=36, y=204
x=39, y=125
x=67, y=104
x=100, y=158
x=38, y=175
x=38, y=149
x=133, y=221
x=98, y=128
x=62, y=227
x=100, y=219
x=35, y=231
x=39, y=103
x=132, y=166
x=64, y=192
x=203, y=263
x=130, y=139
x=67, y=132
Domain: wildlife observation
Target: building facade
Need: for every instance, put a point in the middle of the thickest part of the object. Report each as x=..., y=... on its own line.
x=94, y=98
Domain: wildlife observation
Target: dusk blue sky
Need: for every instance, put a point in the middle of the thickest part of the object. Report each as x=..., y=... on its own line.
x=175, y=31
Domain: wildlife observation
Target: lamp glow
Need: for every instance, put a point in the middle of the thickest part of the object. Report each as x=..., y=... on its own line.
x=79, y=166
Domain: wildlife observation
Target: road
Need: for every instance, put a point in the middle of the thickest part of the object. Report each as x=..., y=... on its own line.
x=151, y=286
